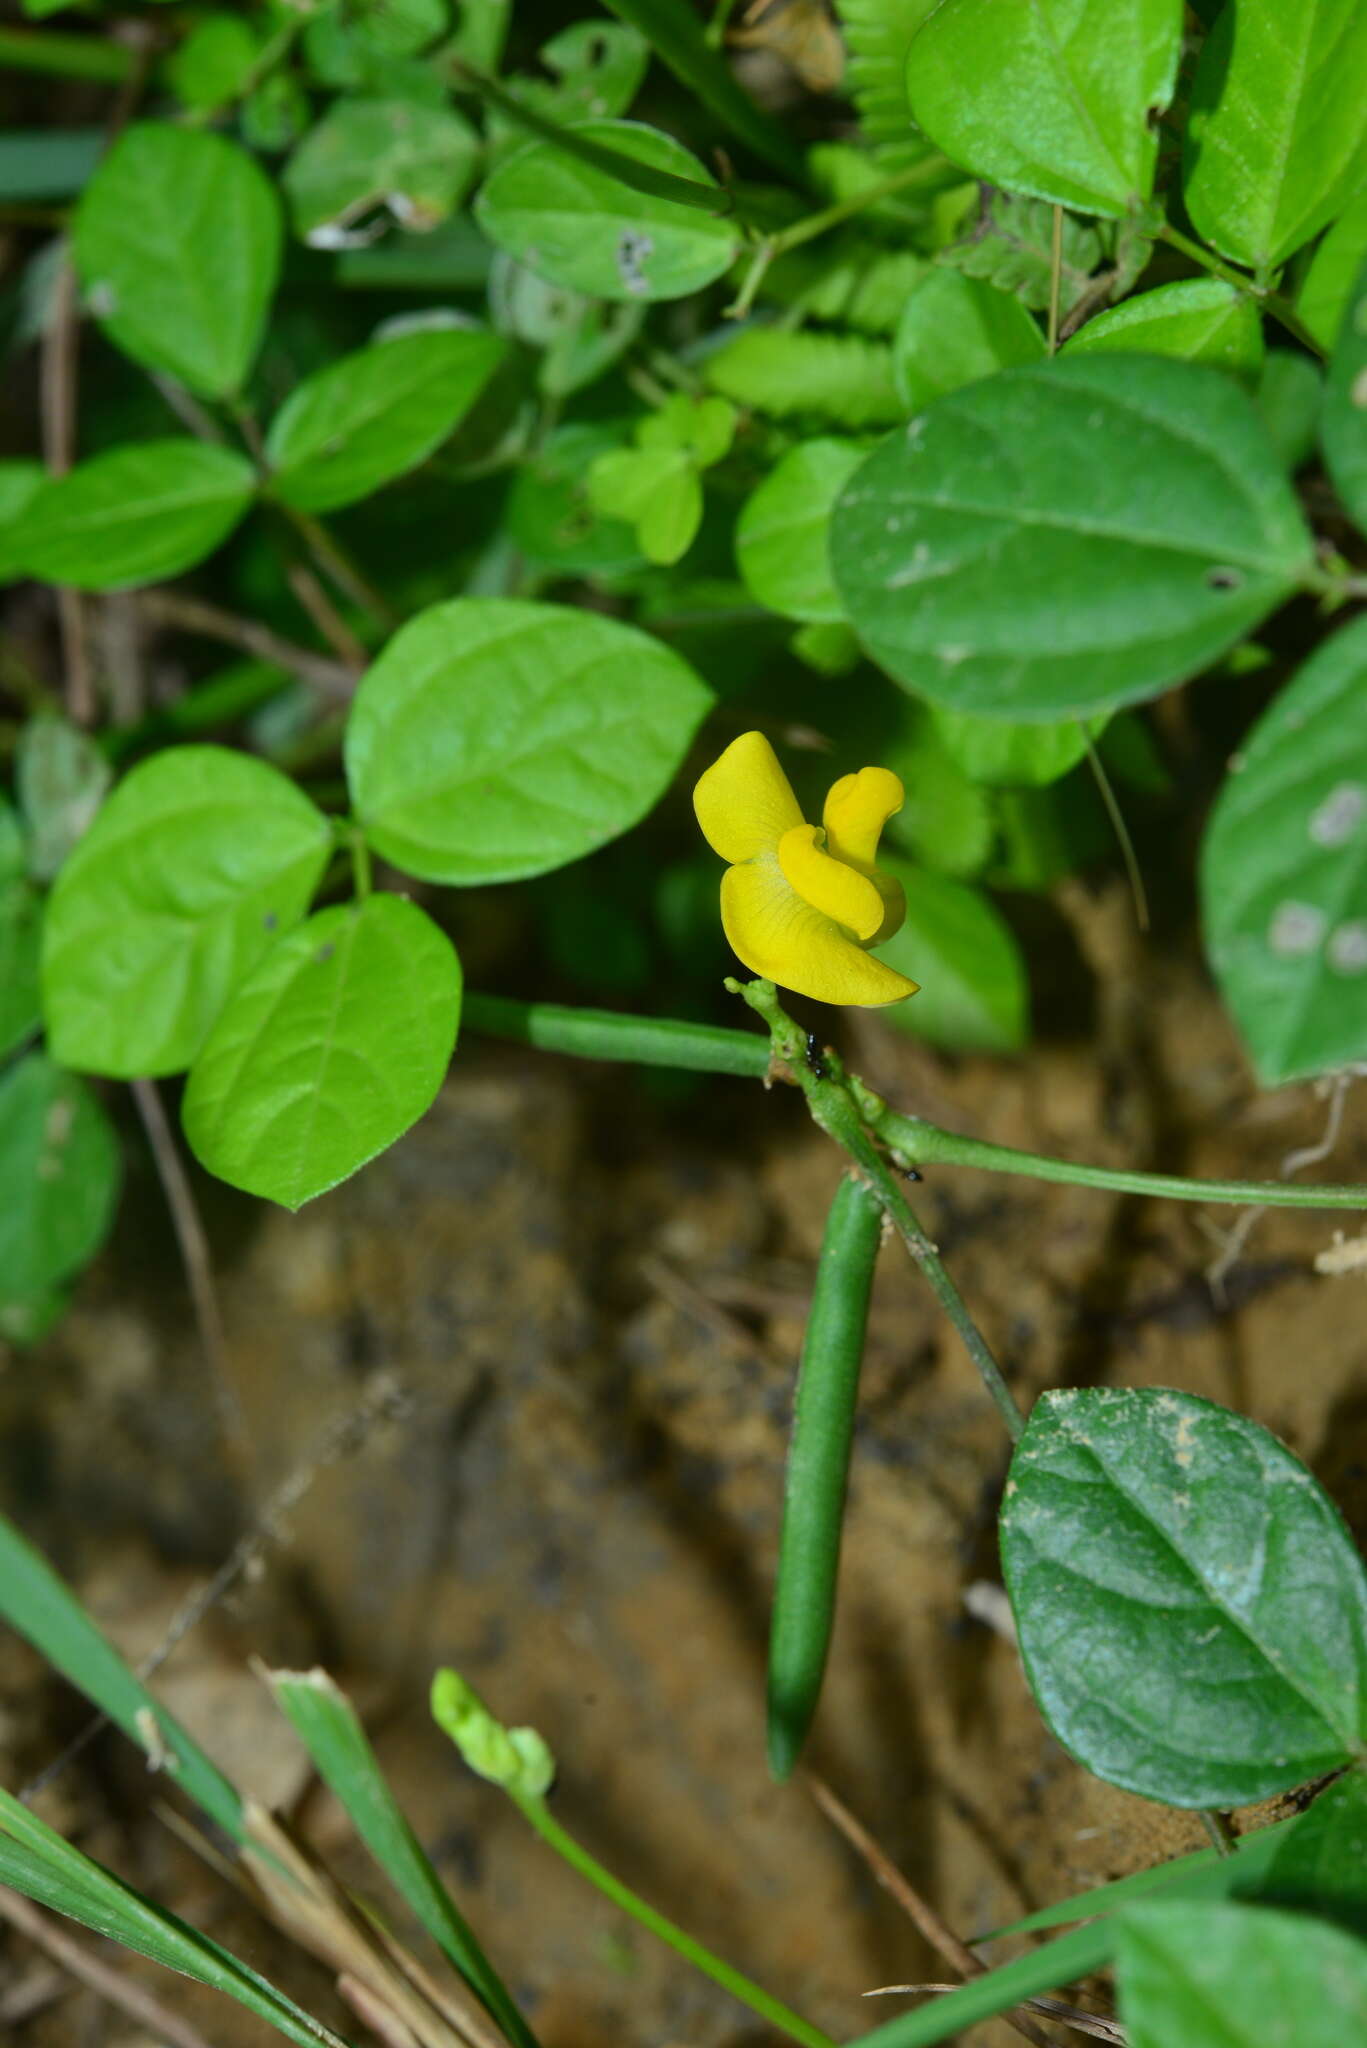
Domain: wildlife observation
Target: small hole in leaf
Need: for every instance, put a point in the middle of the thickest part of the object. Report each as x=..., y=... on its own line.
x=1223, y=579
x=324, y=953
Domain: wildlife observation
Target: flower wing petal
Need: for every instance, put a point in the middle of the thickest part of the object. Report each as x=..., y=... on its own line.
x=744, y=801
x=776, y=934
x=835, y=890
x=857, y=809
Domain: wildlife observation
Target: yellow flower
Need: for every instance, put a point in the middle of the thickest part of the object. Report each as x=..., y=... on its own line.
x=800, y=903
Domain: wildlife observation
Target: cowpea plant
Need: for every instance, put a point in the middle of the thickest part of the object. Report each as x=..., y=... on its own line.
x=515, y=397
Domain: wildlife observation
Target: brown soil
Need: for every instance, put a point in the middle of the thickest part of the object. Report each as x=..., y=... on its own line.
x=569, y=1315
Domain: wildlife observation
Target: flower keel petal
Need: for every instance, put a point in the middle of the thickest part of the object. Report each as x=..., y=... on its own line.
x=777, y=935
x=835, y=890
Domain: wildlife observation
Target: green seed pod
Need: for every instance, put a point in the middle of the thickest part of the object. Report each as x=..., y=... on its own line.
x=818, y=1461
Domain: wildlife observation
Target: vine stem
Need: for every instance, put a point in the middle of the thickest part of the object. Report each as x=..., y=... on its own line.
x=1281, y=309
x=839, y=1106
x=759, y=2001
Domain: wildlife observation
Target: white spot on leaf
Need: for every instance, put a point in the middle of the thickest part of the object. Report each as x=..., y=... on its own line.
x=1334, y=822
x=1347, y=947
x=1296, y=929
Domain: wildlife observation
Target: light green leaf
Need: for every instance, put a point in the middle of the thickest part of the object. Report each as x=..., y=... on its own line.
x=574, y=224
x=59, y=1175
x=945, y=821
x=1003, y=753
x=136, y=514
x=1289, y=397
x=197, y=862
x=550, y=516
x=36, y=1861
x=495, y=739
x=413, y=159
x=657, y=490
x=1191, y=1610
x=1278, y=123
x=955, y=329
x=21, y=932
x=1059, y=541
x=177, y=241
x=1202, y=320
x=839, y=380
x=369, y=416
x=1343, y=428
x=1223, y=1976
x=782, y=529
x=1284, y=871
x=326, y=1054
x=19, y=484
x=973, y=995
x=60, y=779
x=1054, y=98
x=214, y=62
x=1333, y=270
x=330, y=1729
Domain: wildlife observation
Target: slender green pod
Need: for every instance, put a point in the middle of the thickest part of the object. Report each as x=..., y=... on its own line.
x=818, y=1463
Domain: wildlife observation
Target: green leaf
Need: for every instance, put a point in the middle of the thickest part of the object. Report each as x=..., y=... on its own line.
x=973, y=995
x=877, y=36
x=658, y=490
x=1321, y=1865
x=36, y=1861
x=675, y=33
x=330, y=1729
x=781, y=532
x=578, y=338
x=1289, y=396
x=367, y=417
x=954, y=330
x=598, y=68
x=495, y=739
x=136, y=514
x=326, y=1054
x=214, y=62
x=60, y=778
x=574, y=224
x=197, y=862
x=19, y=484
x=1343, y=430
x=1284, y=871
x=413, y=159
x=59, y=1175
x=1202, y=320
x=1000, y=752
x=1277, y=127
x=21, y=933
x=1192, y=1613
x=830, y=379
x=1328, y=283
x=41, y=1607
x=945, y=820
x=1219, y=1976
x=990, y=559
x=550, y=516
x=1053, y=99
x=177, y=241
x=1011, y=245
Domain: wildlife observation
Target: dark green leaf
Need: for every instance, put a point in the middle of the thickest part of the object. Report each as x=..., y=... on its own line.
x=1284, y=871
x=197, y=862
x=1277, y=125
x=675, y=32
x=1191, y=1610
x=368, y=417
x=1289, y=396
x=1219, y=1976
x=1329, y=281
x=781, y=532
x=21, y=931
x=997, y=751
x=579, y=338
x=1343, y=429
x=495, y=739
x=1011, y=245
x=576, y=225
x=326, y=1054
x=1202, y=320
x=137, y=514
x=1321, y=1866
x=415, y=160
x=955, y=329
x=177, y=241
x=1059, y=541
x=19, y=484
x=59, y=1175
x=973, y=995
x=1050, y=99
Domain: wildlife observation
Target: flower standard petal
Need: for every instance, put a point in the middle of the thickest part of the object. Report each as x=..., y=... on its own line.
x=744, y=801
x=776, y=934
x=837, y=891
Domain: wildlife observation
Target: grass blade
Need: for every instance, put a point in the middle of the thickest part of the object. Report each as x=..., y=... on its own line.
x=675, y=33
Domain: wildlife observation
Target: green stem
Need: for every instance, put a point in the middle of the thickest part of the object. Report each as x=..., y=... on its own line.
x=1281, y=309
x=806, y=230
x=359, y=848
x=578, y=1858
x=59, y=56
x=713, y=1049
x=614, y=163
x=338, y=566
x=837, y=1106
